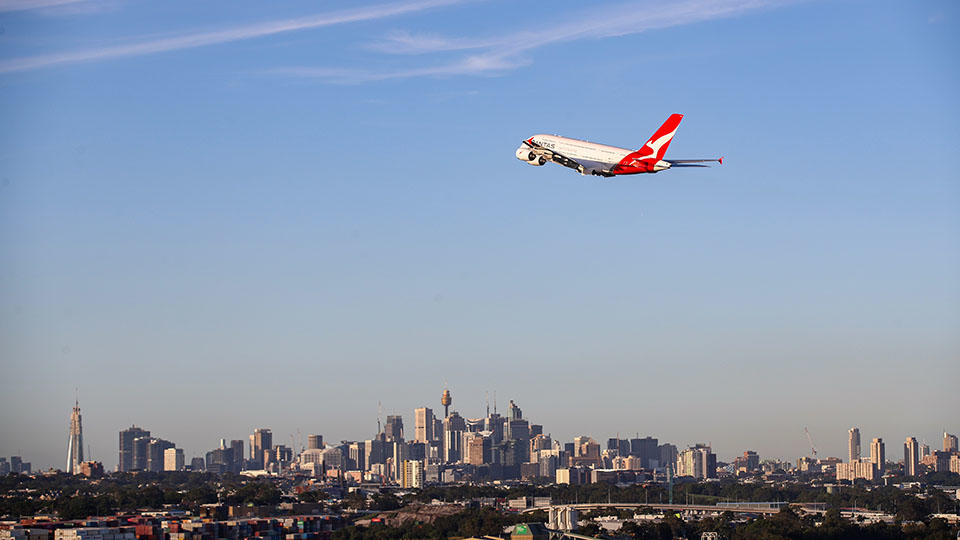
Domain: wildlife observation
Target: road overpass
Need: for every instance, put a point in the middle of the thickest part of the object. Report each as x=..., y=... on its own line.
x=743, y=508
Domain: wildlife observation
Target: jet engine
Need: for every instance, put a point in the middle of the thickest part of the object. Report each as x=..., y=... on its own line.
x=531, y=157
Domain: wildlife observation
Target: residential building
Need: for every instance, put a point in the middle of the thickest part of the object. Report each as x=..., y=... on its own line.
x=911, y=457
x=413, y=474
x=878, y=455
x=173, y=459
x=853, y=444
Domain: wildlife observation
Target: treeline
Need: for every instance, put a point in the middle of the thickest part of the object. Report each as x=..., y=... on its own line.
x=72, y=497
x=785, y=525
x=472, y=522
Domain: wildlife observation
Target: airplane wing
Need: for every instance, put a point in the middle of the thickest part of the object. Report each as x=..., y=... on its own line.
x=557, y=157
x=690, y=162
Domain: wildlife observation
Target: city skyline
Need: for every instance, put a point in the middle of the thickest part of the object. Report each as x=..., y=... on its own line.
x=218, y=217
x=197, y=449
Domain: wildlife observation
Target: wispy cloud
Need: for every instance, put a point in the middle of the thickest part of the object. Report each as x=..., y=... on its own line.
x=471, y=65
x=201, y=39
x=24, y=5
x=498, y=54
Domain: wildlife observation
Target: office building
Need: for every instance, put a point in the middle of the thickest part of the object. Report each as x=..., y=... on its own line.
x=394, y=428
x=494, y=424
x=356, y=456
x=911, y=457
x=478, y=450
x=454, y=427
x=173, y=459
x=668, y=454
x=423, y=424
x=374, y=452
x=127, y=461
x=853, y=444
x=236, y=446
x=515, y=412
x=878, y=455
x=75, y=441
x=155, y=457
x=949, y=442
x=261, y=440
x=314, y=442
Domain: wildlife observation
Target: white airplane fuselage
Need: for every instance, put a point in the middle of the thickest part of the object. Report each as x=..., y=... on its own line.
x=596, y=158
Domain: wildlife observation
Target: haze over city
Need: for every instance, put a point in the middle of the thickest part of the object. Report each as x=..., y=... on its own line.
x=251, y=218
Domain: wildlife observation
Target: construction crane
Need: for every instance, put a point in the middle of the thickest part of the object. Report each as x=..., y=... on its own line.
x=809, y=438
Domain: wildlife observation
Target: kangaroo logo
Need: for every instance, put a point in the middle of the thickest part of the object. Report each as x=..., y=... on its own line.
x=656, y=145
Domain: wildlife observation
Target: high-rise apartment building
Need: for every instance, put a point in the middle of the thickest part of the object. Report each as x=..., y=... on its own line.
x=173, y=459
x=949, y=442
x=314, y=442
x=413, y=474
x=127, y=461
x=911, y=457
x=260, y=440
x=75, y=442
x=853, y=444
x=423, y=423
x=697, y=461
x=857, y=468
x=878, y=455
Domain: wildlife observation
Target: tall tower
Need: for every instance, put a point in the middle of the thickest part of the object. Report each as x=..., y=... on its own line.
x=75, y=442
x=878, y=454
x=853, y=444
x=911, y=456
x=446, y=399
x=423, y=424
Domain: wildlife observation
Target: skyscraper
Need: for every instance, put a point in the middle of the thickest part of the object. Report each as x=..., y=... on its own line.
x=237, y=446
x=394, y=428
x=949, y=442
x=911, y=456
x=75, y=442
x=878, y=455
x=315, y=442
x=853, y=444
x=515, y=412
x=128, y=437
x=423, y=424
x=453, y=428
x=261, y=440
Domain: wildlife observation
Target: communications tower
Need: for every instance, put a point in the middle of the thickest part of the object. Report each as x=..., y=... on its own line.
x=446, y=399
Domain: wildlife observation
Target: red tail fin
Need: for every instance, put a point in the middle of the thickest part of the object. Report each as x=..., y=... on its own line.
x=655, y=148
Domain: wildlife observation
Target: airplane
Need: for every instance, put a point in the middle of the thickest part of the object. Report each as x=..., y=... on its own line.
x=589, y=158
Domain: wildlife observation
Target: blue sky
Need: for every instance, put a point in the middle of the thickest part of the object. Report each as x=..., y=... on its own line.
x=222, y=216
